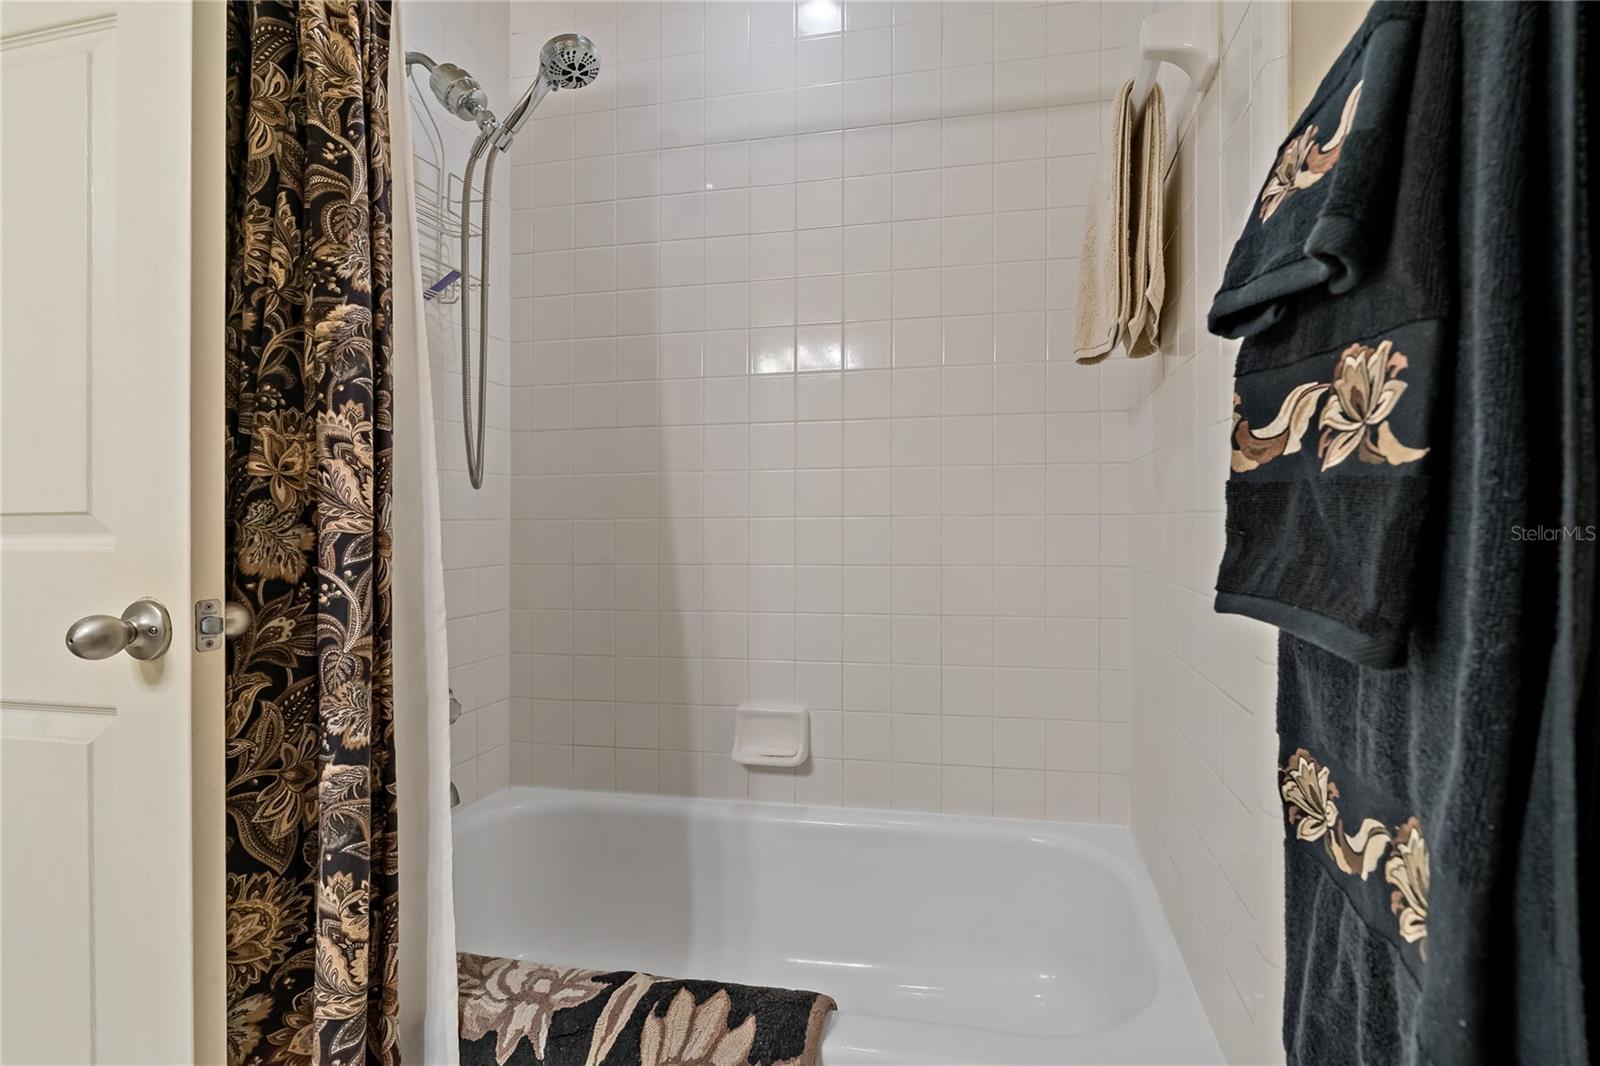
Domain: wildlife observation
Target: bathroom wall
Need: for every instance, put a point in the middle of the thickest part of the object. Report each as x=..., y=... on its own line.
x=477, y=524
x=1205, y=809
x=791, y=418
x=794, y=416
x=1317, y=34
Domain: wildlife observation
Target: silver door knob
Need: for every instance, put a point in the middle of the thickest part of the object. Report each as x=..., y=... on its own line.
x=237, y=618
x=144, y=631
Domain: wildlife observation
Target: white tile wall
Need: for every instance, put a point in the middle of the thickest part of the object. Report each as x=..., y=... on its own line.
x=788, y=419
x=477, y=525
x=1204, y=806
x=788, y=283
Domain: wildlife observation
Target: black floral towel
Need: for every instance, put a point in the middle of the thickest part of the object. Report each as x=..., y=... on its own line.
x=1324, y=216
x=530, y=1014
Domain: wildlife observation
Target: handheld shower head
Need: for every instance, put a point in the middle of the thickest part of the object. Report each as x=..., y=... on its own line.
x=567, y=61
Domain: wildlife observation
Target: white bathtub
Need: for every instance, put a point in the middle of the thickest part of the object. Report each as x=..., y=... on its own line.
x=943, y=939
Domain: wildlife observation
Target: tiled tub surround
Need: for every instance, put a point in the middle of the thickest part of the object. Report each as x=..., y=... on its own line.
x=477, y=525
x=789, y=419
x=1205, y=810
x=793, y=412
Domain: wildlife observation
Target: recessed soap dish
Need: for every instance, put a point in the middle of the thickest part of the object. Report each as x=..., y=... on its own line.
x=771, y=735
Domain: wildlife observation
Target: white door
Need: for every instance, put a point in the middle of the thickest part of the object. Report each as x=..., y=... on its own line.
x=96, y=935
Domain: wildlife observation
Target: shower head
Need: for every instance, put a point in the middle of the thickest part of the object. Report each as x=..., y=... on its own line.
x=567, y=61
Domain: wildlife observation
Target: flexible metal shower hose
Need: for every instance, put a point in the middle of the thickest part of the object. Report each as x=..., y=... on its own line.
x=475, y=441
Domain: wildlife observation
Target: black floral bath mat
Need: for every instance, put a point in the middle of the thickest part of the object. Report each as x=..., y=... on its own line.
x=529, y=1014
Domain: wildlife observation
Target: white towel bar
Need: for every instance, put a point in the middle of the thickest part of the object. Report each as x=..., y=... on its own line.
x=1189, y=37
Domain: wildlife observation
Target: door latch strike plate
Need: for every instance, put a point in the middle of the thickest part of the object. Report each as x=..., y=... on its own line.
x=207, y=625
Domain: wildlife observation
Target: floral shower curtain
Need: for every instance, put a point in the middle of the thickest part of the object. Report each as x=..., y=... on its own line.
x=311, y=833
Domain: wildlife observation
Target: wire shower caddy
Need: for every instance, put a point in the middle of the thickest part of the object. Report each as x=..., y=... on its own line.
x=438, y=202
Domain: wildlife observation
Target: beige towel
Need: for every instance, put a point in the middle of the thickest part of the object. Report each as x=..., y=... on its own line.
x=1104, y=284
x=1141, y=334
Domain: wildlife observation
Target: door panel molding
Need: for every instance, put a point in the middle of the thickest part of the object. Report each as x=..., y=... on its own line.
x=60, y=276
x=55, y=785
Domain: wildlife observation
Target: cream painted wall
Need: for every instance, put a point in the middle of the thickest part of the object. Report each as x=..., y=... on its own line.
x=1318, y=30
